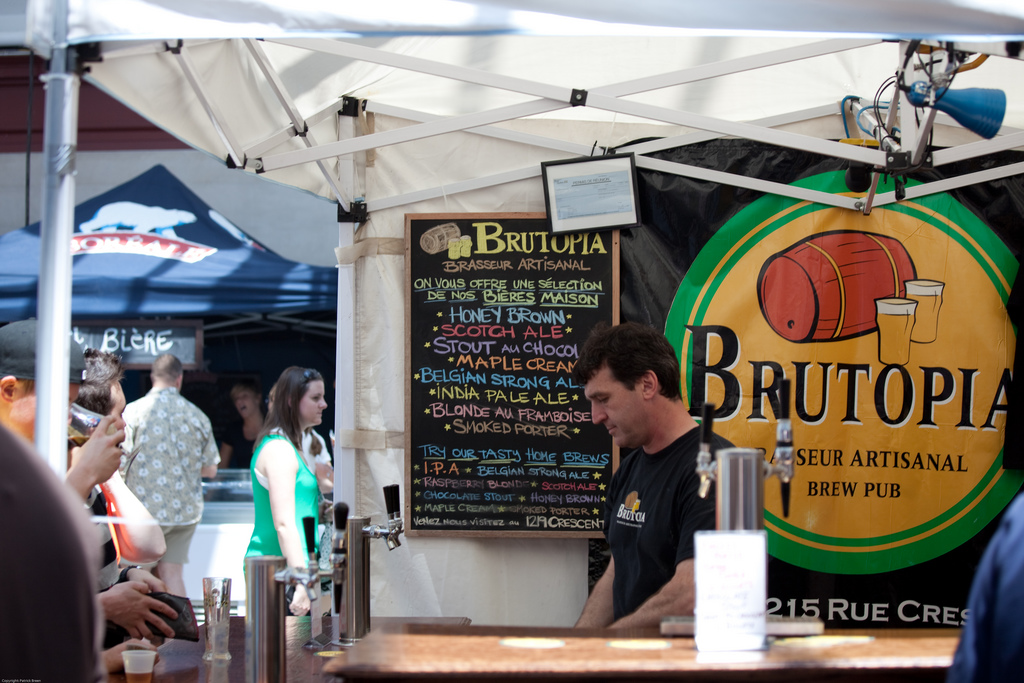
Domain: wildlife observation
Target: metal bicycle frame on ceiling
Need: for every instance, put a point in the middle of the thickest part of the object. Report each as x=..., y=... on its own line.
x=258, y=156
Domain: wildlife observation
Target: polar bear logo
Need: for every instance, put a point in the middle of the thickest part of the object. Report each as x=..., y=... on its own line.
x=137, y=218
x=233, y=230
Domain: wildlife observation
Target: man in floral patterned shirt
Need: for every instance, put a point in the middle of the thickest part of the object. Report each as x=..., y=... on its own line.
x=176, y=450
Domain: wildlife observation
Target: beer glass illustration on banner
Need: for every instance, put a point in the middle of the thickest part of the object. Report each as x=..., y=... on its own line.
x=928, y=295
x=895, y=320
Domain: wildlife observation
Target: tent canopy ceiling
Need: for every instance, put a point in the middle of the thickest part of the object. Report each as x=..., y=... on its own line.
x=275, y=106
x=105, y=19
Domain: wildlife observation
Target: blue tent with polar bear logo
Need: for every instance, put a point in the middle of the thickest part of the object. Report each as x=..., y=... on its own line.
x=151, y=247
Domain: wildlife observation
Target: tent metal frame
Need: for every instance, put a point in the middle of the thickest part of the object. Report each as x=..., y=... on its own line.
x=611, y=98
x=258, y=156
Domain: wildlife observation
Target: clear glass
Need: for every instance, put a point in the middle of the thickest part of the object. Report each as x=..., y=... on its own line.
x=217, y=611
x=81, y=423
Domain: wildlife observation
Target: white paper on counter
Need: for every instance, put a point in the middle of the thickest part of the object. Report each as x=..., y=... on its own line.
x=731, y=574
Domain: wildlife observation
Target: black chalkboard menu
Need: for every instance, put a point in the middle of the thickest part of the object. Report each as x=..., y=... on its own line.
x=499, y=440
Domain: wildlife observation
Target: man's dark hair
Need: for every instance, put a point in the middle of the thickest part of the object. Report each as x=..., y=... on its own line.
x=629, y=350
x=102, y=370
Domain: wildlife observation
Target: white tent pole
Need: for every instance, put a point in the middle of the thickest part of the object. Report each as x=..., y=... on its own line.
x=487, y=131
x=584, y=150
x=301, y=128
x=430, y=67
x=742, y=130
x=731, y=66
x=345, y=345
x=766, y=186
x=980, y=148
x=965, y=180
x=345, y=395
x=454, y=188
x=216, y=116
x=416, y=132
x=60, y=139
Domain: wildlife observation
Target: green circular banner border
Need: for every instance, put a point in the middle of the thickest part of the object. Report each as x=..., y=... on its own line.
x=855, y=556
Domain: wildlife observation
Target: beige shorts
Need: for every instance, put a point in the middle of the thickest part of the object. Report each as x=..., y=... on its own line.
x=178, y=539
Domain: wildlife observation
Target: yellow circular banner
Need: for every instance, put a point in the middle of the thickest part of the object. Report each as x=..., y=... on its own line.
x=893, y=331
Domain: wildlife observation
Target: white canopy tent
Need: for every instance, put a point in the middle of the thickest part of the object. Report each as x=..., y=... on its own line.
x=422, y=107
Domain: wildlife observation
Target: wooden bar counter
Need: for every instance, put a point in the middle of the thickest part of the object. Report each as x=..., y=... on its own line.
x=448, y=650
x=182, y=662
x=432, y=654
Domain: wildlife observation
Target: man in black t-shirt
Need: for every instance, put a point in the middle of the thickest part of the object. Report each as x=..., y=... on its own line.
x=630, y=374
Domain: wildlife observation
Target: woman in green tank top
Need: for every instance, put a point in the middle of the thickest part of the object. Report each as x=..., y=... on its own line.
x=284, y=487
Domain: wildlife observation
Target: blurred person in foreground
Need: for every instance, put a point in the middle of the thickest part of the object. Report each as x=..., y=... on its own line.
x=631, y=374
x=176, y=450
x=54, y=625
x=284, y=484
x=991, y=644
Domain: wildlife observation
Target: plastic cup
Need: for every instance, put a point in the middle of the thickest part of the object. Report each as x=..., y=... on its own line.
x=138, y=665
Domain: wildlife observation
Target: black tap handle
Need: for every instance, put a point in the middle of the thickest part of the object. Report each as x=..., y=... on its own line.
x=707, y=422
x=338, y=598
x=787, y=441
x=391, y=499
x=340, y=515
x=784, y=399
x=309, y=526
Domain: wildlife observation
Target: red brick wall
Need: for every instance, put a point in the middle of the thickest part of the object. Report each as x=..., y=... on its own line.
x=104, y=124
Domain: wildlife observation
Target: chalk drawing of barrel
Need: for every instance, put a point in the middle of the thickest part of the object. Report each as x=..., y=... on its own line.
x=823, y=288
x=435, y=240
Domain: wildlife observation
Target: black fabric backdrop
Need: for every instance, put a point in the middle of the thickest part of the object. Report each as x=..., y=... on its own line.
x=681, y=214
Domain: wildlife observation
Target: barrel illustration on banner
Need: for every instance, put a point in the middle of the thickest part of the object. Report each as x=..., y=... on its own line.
x=824, y=287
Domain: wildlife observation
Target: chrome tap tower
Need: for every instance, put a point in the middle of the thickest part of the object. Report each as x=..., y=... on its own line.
x=739, y=473
x=264, y=620
x=267, y=576
x=354, y=566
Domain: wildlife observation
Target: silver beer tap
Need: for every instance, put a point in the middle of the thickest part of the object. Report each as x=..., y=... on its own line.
x=308, y=578
x=782, y=462
x=395, y=525
x=739, y=473
x=705, y=466
x=339, y=557
x=356, y=565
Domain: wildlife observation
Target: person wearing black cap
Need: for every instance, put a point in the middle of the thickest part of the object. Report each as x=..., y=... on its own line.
x=101, y=455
